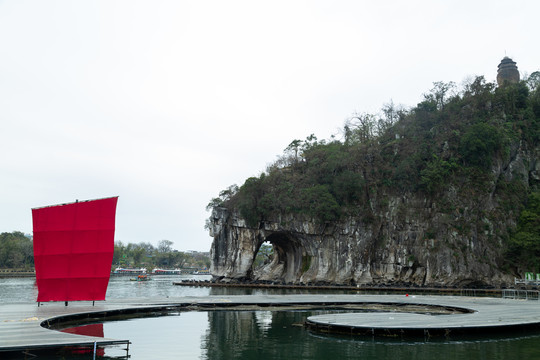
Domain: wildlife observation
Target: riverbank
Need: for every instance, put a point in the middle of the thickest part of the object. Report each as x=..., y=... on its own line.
x=382, y=289
x=6, y=273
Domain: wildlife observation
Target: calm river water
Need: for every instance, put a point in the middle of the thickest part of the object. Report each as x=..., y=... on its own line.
x=257, y=334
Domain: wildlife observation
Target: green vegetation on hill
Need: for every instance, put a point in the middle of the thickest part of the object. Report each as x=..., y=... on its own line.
x=163, y=256
x=451, y=140
x=17, y=253
x=524, y=245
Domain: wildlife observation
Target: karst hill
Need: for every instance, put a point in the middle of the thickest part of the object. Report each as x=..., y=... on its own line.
x=442, y=194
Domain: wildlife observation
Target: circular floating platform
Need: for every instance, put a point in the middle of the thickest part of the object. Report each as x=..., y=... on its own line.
x=27, y=326
x=484, y=316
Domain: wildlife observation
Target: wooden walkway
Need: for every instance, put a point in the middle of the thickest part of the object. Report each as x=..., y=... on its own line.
x=23, y=326
x=358, y=289
x=489, y=315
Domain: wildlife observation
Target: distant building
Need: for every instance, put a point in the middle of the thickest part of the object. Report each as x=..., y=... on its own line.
x=507, y=72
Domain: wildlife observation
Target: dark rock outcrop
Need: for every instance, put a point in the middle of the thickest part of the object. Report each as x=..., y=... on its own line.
x=454, y=240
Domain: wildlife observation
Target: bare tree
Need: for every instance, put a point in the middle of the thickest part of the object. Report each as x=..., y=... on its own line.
x=440, y=93
x=164, y=246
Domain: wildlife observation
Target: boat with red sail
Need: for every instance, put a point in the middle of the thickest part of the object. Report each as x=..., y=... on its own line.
x=73, y=249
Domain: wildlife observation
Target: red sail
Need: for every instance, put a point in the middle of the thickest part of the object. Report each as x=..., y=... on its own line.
x=73, y=249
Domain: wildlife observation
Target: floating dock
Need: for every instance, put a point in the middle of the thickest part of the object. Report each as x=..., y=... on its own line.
x=347, y=288
x=25, y=326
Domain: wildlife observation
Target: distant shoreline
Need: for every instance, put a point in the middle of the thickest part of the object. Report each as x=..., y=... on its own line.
x=16, y=273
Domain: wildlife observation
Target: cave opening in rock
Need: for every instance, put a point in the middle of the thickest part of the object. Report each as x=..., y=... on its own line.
x=278, y=258
x=264, y=256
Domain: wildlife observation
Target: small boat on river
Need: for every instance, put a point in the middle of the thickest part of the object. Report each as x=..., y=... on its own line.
x=141, y=278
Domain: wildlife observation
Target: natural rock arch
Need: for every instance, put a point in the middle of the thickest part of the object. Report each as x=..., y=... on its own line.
x=236, y=245
x=286, y=263
x=351, y=252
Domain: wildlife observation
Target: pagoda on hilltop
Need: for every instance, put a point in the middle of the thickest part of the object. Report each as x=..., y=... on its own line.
x=507, y=72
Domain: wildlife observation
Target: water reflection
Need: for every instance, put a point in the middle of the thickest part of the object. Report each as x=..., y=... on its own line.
x=264, y=320
x=279, y=334
x=260, y=335
x=88, y=330
x=271, y=291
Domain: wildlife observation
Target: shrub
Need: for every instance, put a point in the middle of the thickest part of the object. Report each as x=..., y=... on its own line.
x=479, y=144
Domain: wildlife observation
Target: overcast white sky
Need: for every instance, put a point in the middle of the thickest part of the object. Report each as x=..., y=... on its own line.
x=166, y=103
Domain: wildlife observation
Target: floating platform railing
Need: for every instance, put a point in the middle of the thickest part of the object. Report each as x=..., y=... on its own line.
x=520, y=294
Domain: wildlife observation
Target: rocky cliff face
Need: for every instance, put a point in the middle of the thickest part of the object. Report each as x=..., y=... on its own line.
x=453, y=239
